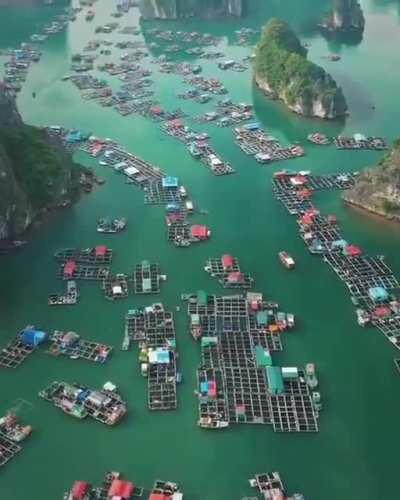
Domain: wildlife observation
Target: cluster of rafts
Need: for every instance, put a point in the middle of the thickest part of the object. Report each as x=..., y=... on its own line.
x=373, y=287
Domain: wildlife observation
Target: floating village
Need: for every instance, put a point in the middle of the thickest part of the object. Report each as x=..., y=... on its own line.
x=238, y=333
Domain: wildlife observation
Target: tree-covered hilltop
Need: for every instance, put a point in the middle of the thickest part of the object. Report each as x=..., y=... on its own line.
x=35, y=171
x=378, y=189
x=282, y=71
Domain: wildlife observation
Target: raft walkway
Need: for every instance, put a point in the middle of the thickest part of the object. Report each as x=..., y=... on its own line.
x=15, y=352
x=227, y=269
x=238, y=335
x=71, y=345
x=94, y=256
x=154, y=328
x=254, y=141
x=105, y=406
x=374, y=289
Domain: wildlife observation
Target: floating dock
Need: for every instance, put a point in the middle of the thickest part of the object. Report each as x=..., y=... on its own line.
x=71, y=345
x=237, y=381
x=254, y=141
x=116, y=286
x=114, y=485
x=271, y=486
x=18, y=349
x=12, y=433
x=154, y=328
x=104, y=405
x=227, y=269
x=72, y=270
x=70, y=298
x=98, y=256
x=146, y=278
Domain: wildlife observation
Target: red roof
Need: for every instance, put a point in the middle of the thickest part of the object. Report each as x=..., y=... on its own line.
x=175, y=123
x=79, y=490
x=235, y=277
x=156, y=110
x=382, y=312
x=69, y=268
x=101, y=250
x=227, y=261
x=122, y=489
x=159, y=496
x=299, y=180
x=305, y=193
x=307, y=219
x=353, y=251
x=200, y=232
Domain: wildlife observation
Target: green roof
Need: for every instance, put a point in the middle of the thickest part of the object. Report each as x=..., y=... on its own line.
x=262, y=318
x=146, y=284
x=275, y=379
x=201, y=298
x=206, y=341
x=263, y=357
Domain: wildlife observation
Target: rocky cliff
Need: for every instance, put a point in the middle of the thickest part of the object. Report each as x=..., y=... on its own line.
x=35, y=171
x=282, y=71
x=346, y=15
x=378, y=189
x=176, y=9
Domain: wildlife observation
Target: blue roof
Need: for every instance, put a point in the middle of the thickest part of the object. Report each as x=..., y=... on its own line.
x=169, y=181
x=378, y=294
x=252, y=126
x=33, y=337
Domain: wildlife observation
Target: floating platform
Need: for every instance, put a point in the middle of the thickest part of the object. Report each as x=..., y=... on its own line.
x=12, y=433
x=98, y=256
x=17, y=350
x=227, y=268
x=157, y=194
x=70, y=298
x=154, y=328
x=81, y=272
x=71, y=345
x=116, y=286
x=363, y=275
x=146, y=278
x=104, y=405
x=238, y=334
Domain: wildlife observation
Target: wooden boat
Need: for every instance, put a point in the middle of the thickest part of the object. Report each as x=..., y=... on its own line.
x=210, y=423
x=286, y=260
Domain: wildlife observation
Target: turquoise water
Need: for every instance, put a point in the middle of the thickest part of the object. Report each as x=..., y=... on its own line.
x=355, y=453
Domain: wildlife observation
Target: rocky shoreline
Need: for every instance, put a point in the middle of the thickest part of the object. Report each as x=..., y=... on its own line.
x=377, y=190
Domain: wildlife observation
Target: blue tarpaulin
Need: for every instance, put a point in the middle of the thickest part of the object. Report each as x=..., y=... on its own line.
x=378, y=294
x=32, y=337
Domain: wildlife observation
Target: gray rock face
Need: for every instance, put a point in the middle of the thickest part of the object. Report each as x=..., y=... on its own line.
x=176, y=9
x=346, y=15
x=378, y=189
x=19, y=201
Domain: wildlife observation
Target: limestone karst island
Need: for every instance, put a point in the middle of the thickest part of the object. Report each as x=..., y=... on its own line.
x=199, y=249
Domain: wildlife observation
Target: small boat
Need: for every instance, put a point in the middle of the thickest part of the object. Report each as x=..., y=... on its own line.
x=316, y=399
x=111, y=226
x=211, y=423
x=286, y=260
x=311, y=378
x=290, y=320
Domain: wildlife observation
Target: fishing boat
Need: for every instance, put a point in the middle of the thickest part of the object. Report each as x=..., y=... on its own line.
x=290, y=320
x=210, y=423
x=311, y=378
x=111, y=226
x=319, y=139
x=286, y=260
x=316, y=399
x=194, y=150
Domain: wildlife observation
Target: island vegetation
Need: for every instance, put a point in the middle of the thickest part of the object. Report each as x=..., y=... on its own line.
x=378, y=189
x=282, y=71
